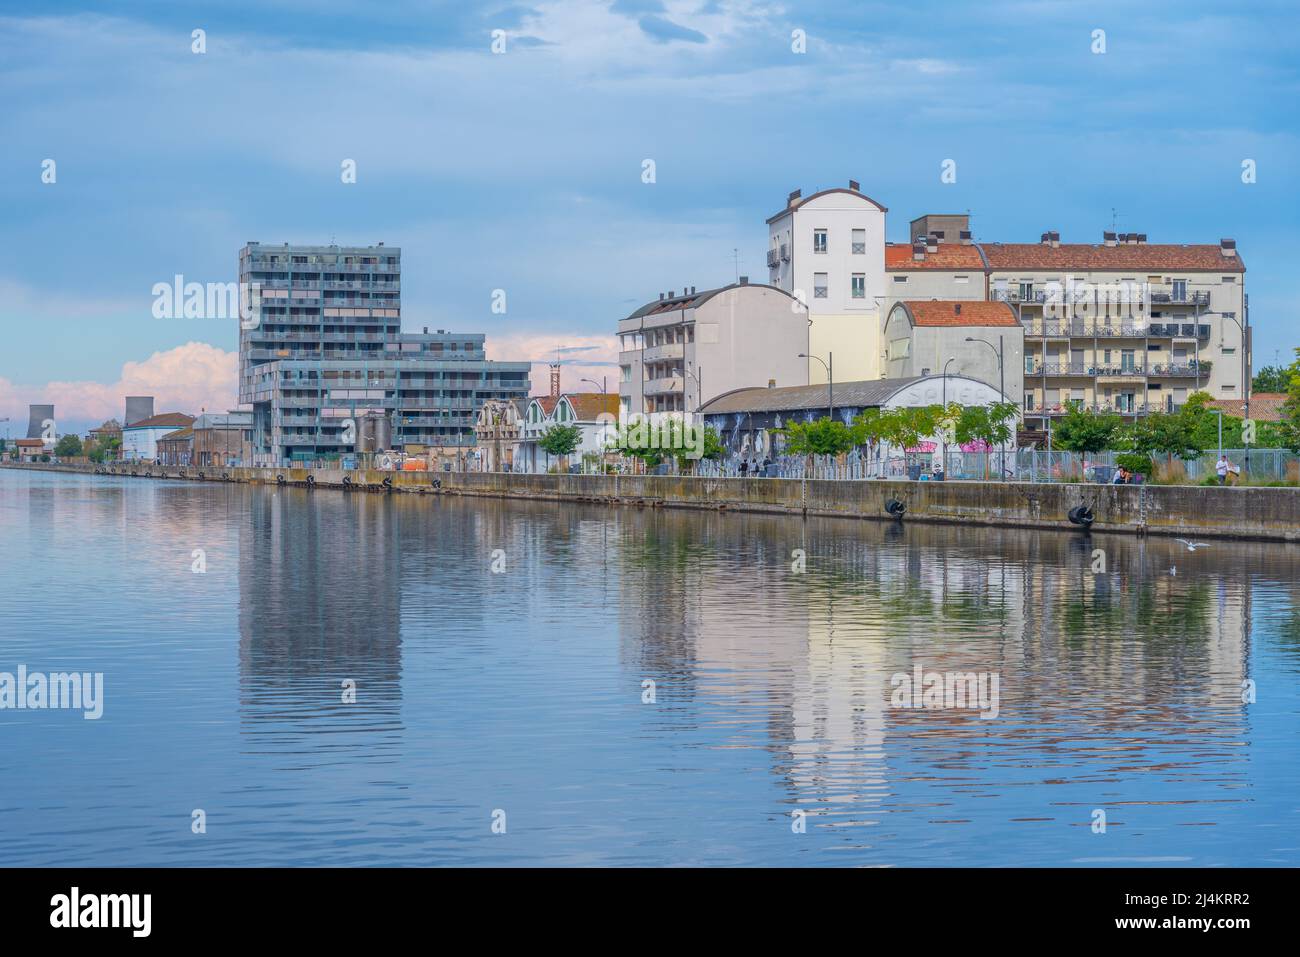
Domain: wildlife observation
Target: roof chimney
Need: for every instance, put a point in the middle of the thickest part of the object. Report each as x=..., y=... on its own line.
x=1228, y=247
x=932, y=243
x=956, y=309
x=692, y=290
x=853, y=185
x=1043, y=238
x=672, y=293
x=918, y=250
x=1142, y=239
x=555, y=380
x=744, y=280
x=966, y=239
x=1108, y=238
x=793, y=198
x=661, y=297
x=771, y=383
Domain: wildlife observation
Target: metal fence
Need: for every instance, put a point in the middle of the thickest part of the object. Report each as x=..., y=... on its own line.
x=1022, y=465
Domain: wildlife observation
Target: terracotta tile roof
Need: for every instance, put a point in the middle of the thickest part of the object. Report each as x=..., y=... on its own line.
x=948, y=312
x=1264, y=406
x=176, y=420
x=178, y=435
x=29, y=443
x=588, y=405
x=1125, y=256
x=546, y=402
x=898, y=258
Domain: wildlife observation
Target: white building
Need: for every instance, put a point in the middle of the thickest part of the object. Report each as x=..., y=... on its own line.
x=828, y=251
x=677, y=351
x=932, y=336
x=595, y=414
x=140, y=439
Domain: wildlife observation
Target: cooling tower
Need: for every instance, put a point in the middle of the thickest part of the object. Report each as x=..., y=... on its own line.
x=138, y=408
x=35, y=422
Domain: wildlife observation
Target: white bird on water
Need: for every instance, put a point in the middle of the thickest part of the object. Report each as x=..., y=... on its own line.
x=1193, y=546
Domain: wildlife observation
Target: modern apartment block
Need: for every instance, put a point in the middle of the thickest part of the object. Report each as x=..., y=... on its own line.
x=678, y=351
x=324, y=351
x=1122, y=325
x=827, y=251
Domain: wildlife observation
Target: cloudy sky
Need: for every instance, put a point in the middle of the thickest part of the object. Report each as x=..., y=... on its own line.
x=522, y=170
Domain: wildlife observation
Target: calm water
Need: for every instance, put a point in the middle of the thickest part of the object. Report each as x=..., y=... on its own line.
x=522, y=691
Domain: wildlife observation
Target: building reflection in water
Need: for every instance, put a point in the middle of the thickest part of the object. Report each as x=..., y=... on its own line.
x=1132, y=671
x=319, y=580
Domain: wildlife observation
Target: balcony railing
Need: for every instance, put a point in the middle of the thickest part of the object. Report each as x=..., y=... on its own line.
x=1181, y=298
x=661, y=386
x=1115, y=329
x=1172, y=369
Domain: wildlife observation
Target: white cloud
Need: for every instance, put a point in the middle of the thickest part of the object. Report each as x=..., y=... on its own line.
x=581, y=357
x=188, y=378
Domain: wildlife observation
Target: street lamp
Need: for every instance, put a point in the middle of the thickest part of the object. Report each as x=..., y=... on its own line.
x=830, y=379
x=699, y=387
x=600, y=385
x=1002, y=386
x=1245, y=380
x=951, y=360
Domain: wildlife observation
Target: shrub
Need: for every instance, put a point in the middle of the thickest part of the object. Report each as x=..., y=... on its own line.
x=1135, y=462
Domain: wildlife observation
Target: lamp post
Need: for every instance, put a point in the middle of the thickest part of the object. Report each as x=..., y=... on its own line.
x=1002, y=385
x=600, y=385
x=697, y=375
x=951, y=360
x=830, y=379
x=1245, y=380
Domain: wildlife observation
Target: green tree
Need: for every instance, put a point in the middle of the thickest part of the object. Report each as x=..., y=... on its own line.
x=1167, y=434
x=1289, y=427
x=69, y=446
x=822, y=437
x=652, y=446
x=560, y=441
x=1085, y=430
x=992, y=424
x=1271, y=379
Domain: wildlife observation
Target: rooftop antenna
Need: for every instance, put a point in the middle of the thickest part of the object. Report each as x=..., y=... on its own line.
x=735, y=255
x=1114, y=219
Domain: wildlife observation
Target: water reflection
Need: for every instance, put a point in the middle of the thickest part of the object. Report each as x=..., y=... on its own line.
x=501, y=653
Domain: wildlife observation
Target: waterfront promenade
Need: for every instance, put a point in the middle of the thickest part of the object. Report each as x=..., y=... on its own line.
x=1261, y=513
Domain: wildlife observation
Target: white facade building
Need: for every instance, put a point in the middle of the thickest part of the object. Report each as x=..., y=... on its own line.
x=677, y=351
x=828, y=251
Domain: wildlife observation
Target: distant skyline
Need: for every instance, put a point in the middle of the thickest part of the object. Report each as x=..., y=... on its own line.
x=522, y=171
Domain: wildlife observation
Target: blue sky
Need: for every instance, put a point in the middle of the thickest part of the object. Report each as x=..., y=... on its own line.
x=522, y=171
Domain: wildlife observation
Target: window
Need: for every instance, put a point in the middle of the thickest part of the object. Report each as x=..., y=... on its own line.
x=1229, y=350
x=961, y=279
x=1179, y=290
x=819, y=285
x=1229, y=388
x=1026, y=291
x=859, y=241
x=1229, y=278
x=859, y=285
x=819, y=240
x=900, y=279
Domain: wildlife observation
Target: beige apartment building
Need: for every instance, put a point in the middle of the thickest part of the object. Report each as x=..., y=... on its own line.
x=678, y=351
x=1122, y=325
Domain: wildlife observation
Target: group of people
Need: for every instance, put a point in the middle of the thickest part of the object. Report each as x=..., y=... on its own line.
x=1123, y=476
x=754, y=467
